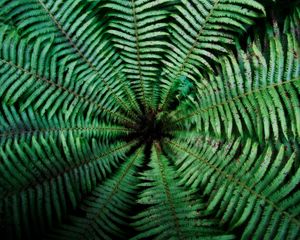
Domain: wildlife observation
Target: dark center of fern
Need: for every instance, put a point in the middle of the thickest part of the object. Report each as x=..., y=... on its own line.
x=150, y=128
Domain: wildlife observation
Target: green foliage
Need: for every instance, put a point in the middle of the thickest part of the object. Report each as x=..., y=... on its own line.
x=142, y=119
x=175, y=212
x=245, y=97
x=253, y=187
x=108, y=207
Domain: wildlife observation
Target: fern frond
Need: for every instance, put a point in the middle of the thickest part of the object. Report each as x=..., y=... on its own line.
x=106, y=210
x=256, y=94
x=172, y=212
x=199, y=33
x=251, y=188
x=138, y=29
x=78, y=37
x=61, y=172
x=32, y=76
x=24, y=125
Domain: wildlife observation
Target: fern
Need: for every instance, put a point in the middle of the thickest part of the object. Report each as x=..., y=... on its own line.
x=139, y=119
x=247, y=92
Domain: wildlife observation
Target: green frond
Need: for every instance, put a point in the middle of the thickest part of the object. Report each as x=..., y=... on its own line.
x=27, y=124
x=256, y=94
x=138, y=28
x=248, y=187
x=199, y=32
x=106, y=209
x=31, y=75
x=79, y=38
x=61, y=170
x=172, y=211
